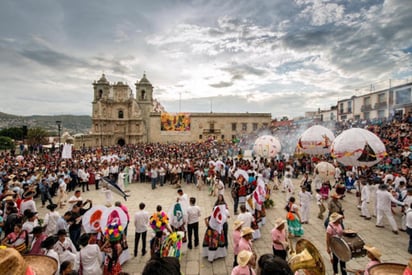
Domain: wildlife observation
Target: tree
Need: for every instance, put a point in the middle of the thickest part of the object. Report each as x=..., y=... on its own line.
x=37, y=136
x=6, y=143
x=15, y=133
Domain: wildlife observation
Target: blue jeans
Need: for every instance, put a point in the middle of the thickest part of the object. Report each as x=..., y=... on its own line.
x=154, y=181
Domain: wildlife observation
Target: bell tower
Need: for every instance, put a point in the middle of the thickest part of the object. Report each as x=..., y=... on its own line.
x=144, y=98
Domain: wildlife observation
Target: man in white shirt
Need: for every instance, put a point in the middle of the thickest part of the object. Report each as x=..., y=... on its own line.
x=193, y=215
x=141, y=220
x=75, y=198
x=305, y=197
x=383, y=205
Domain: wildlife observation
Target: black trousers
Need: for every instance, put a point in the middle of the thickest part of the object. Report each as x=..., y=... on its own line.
x=85, y=184
x=193, y=228
x=136, y=242
x=335, y=262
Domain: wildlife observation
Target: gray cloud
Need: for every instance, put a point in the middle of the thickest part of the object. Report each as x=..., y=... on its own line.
x=277, y=56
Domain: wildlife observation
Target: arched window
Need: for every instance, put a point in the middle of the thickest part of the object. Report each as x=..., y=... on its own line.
x=143, y=94
x=100, y=94
x=120, y=114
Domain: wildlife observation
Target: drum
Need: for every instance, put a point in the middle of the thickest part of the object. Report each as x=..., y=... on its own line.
x=348, y=246
x=387, y=269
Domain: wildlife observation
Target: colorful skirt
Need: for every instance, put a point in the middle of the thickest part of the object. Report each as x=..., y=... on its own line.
x=294, y=226
x=214, y=245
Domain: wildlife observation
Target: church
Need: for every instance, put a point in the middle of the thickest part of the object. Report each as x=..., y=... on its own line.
x=119, y=117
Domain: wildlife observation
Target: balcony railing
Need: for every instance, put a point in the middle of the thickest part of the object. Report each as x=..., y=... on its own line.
x=366, y=108
x=211, y=131
x=381, y=105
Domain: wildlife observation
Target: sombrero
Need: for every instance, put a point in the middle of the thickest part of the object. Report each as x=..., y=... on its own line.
x=41, y=264
x=29, y=194
x=16, y=264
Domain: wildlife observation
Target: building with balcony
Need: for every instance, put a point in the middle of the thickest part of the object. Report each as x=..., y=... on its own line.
x=385, y=103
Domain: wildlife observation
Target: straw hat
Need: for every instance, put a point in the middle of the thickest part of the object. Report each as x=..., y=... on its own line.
x=334, y=217
x=243, y=257
x=246, y=231
x=41, y=264
x=12, y=261
x=279, y=222
x=374, y=251
x=237, y=224
x=9, y=193
x=8, y=198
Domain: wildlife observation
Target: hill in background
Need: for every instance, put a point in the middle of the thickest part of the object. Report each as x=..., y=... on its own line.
x=70, y=123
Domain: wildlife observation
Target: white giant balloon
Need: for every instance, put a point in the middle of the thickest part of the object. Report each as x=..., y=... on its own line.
x=267, y=146
x=316, y=140
x=358, y=147
x=325, y=170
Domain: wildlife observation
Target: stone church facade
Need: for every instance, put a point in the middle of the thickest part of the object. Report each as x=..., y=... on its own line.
x=119, y=117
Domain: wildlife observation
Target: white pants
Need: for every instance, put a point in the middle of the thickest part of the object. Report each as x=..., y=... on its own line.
x=305, y=212
x=389, y=216
x=365, y=209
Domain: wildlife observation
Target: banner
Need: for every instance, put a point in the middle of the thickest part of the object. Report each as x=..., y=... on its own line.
x=179, y=122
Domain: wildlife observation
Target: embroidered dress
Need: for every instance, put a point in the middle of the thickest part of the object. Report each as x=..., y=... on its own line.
x=294, y=226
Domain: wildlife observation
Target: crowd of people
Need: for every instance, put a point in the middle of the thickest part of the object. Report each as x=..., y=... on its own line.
x=216, y=165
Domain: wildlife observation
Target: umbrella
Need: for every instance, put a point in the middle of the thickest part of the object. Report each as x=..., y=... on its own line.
x=316, y=140
x=358, y=147
x=243, y=173
x=267, y=146
x=19, y=158
x=92, y=219
x=325, y=170
x=114, y=215
x=221, y=163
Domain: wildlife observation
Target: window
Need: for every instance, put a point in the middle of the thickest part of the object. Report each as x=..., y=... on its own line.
x=100, y=94
x=366, y=115
x=332, y=116
x=381, y=113
x=403, y=96
x=341, y=108
x=234, y=126
x=244, y=126
x=367, y=100
x=265, y=125
x=223, y=137
x=200, y=136
x=120, y=115
x=255, y=126
x=381, y=98
x=143, y=95
x=349, y=106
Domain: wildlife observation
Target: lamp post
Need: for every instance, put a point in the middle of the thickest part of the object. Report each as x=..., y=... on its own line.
x=59, y=125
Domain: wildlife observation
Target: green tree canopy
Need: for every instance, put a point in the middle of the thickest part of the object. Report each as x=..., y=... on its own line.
x=6, y=143
x=37, y=135
x=15, y=133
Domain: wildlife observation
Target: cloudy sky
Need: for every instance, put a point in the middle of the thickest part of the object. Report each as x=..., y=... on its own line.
x=284, y=57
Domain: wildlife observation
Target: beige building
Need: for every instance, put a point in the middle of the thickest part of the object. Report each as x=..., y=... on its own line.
x=385, y=103
x=120, y=118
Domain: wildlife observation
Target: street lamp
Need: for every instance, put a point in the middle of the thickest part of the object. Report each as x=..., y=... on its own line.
x=59, y=125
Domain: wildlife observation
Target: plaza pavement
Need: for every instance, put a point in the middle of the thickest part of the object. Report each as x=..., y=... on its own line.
x=393, y=247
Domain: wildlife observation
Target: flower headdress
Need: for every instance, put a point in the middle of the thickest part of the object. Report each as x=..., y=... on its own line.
x=159, y=221
x=113, y=232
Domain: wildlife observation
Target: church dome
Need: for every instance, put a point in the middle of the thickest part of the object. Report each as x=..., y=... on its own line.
x=103, y=80
x=144, y=80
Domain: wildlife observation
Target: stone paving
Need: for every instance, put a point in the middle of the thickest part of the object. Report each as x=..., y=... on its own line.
x=393, y=247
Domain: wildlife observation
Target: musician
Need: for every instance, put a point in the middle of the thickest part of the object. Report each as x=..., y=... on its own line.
x=334, y=228
x=269, y=264
x=375, y=258
x=279, y=239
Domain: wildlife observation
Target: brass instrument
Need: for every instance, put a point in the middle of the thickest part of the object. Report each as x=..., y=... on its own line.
x=307, y=258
